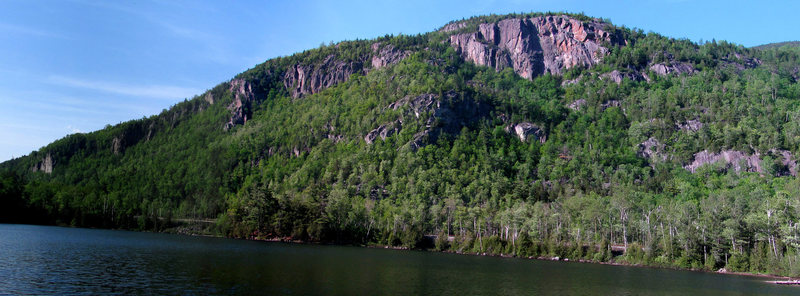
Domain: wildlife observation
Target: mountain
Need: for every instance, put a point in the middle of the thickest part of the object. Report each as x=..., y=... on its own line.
x=778, y=44
x=545, y=135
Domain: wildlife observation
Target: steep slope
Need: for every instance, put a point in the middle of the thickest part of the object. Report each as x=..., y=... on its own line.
x=537, y=45
x=525, y=134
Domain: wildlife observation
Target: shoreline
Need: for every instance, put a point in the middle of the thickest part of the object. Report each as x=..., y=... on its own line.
x=776, y=279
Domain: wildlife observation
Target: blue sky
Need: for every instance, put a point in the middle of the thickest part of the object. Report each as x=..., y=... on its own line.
x=75, y=66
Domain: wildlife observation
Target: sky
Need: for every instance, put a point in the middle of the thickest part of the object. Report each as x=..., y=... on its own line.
x=75, y=66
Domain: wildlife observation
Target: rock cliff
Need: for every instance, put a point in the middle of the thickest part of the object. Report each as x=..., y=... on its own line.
x=243, y=97
x=740, y=161
x=535, y=46
x=386, y=55
x=45, y=166
x=676, y=68
x=527, y=130
x=303, y=79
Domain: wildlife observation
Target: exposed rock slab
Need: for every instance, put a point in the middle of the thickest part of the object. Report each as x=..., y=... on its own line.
x=416, y=106
x=618, y=76
x=675, y=68
x=303, y=79
x=740, y=161
x=577, y=104
x=45, y=165
x=383, y=131
x=116, y=145
x=740, y=62
x=439, y=117
x=527, y=130
x=243, y=97
x=535, y=46
x=453, y=27
x=385, y=55
x=652, y=149
x=692, y=125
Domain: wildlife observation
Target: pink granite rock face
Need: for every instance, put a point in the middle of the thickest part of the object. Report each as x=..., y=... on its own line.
x=242, y=96
x=740, y=161
x=535, y=46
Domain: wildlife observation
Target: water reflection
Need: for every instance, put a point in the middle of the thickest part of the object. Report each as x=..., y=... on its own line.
x=54, y=260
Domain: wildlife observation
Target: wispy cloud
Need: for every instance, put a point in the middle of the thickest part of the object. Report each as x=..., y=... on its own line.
x=185, y=32
x=24, y=30
x=22, y=101
x=210, y=46
x=150, y=91
x=159, y=18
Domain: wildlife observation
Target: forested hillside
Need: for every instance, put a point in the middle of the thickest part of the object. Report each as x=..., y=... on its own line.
x=786, y=44
x=530, y=135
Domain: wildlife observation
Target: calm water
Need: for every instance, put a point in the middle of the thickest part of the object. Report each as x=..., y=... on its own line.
x=55, y=260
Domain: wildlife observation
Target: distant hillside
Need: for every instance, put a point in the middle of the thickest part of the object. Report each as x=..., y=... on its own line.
x=778, y=44
x=541, y=134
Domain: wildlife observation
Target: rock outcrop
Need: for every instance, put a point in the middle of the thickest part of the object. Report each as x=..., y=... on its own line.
x=740, y=62
x=45, y=165
x=610, y=103
x=383, y=131
x=618, y=76
x=740, y=161
x=308, y=78
x=787, y=160
x=453, y=27
x=243, y=97
x=437, y=117
x=415, y=108
x=692, y=125
x=116, y=145
x=302, y=79
x=577, y=104
x=417, y=105
x=385, y=55
x=305, y=79
x=527, y=130
x=653, y=150
x=209, y=98
x=535, y=46
x=329, y=132
x=676, y=68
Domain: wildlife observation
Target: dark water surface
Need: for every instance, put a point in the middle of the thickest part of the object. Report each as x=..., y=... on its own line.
x=56, y=260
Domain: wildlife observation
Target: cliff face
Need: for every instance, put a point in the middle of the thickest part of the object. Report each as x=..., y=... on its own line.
x=243, y=97
x=46, y=165
x=535, y=46
x=742, y=161
x=303, y=79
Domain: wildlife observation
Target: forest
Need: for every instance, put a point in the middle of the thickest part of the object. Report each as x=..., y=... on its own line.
x=427, y=153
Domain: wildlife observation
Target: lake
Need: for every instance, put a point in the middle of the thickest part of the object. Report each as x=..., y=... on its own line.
x=57, y=260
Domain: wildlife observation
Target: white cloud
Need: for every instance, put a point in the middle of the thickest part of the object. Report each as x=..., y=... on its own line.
x=150, y=91
x=73, y=130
